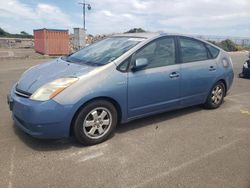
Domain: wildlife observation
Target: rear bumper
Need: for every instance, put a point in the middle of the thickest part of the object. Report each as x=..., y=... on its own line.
x=229, y=77
x=48, y=120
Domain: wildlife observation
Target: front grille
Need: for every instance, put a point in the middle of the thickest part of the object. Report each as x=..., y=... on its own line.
x=22, y=93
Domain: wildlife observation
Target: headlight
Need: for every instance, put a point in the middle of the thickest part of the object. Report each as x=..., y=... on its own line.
x=245, y=65
x=50, y=90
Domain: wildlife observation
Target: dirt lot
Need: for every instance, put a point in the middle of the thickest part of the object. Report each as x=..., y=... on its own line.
x=192, y=147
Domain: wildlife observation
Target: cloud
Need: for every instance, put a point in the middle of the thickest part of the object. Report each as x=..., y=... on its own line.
x=231, y=17
x=181, y=16
x=107, y=13
x=140, y=5
x=42, y=15
x=54, y=15
x=208, y=17
x=15, y=9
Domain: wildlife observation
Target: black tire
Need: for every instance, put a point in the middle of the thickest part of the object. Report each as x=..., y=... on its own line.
x=241, y=75
x=210, y=102
x=81, y=132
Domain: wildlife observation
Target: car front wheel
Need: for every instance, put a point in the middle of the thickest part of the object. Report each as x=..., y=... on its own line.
x=95, y=122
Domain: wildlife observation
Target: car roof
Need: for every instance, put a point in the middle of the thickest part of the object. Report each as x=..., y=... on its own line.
x=138, y=35
x=149, y=35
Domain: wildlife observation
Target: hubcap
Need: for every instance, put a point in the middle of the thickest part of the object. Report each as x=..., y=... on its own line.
x=217, y=94
x=97, y=123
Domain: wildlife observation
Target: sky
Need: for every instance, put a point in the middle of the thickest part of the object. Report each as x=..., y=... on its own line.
x=202, y=17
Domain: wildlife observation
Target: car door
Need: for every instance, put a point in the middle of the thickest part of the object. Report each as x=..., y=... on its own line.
x=156, y=87
x=198, y=71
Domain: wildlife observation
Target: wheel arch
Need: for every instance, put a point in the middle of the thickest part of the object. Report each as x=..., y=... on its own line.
x=219, y=80
x=225, y=85
x=109, y=99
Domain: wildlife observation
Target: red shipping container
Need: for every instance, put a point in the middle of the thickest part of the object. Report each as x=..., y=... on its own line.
x=51, y=41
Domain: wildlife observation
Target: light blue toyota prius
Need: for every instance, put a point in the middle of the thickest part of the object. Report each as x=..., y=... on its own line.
x=116, y=80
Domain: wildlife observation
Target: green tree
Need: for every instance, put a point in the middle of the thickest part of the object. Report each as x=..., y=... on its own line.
x=4, y=33
x=24, y=33
x=228, y=45
x=136, y=30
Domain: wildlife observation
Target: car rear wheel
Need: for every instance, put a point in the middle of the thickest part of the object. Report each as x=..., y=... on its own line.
x=95, y=122
x=216, y=96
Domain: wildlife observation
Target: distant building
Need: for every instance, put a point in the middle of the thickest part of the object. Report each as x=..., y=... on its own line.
x=79, y=38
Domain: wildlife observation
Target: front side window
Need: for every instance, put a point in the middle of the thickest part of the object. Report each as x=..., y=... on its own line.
x=160, y=52
x=124, y=65
x=105, y=51
x=192, y=50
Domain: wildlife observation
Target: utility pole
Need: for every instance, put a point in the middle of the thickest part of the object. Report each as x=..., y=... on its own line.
x=84, y=5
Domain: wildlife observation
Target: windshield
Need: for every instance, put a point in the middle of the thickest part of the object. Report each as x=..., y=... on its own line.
x=105, y=51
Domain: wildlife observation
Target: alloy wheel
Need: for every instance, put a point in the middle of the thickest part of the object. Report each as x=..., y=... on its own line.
x=217, y=94
x=97, y=123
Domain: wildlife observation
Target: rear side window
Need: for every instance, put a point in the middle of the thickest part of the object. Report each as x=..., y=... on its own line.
x=213, y=51
x=192, y=50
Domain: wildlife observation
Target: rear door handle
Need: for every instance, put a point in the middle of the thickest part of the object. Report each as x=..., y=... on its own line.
x=212, y=68
x=174, y=75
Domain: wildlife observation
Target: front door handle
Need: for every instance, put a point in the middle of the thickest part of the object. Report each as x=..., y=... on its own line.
x=212, y=68
x=174, y=75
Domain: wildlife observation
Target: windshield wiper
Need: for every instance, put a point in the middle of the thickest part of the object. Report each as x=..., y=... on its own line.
x=65, y=58
x=91, y=63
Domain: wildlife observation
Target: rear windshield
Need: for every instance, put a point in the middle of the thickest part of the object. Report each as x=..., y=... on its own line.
x=105, y=51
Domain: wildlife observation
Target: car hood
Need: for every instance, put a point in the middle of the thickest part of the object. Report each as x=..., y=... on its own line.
x=41, y=74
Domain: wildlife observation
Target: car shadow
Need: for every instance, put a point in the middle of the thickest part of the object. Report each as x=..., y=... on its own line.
x=155, y=119
x=45, y=144
x=67, y=143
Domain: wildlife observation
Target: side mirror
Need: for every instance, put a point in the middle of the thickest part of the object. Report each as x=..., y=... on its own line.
x=140, y=63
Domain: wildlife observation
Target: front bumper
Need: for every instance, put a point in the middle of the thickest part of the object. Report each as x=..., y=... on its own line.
x=48, y=119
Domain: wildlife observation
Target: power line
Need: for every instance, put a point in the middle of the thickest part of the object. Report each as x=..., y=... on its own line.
x=84, y=5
